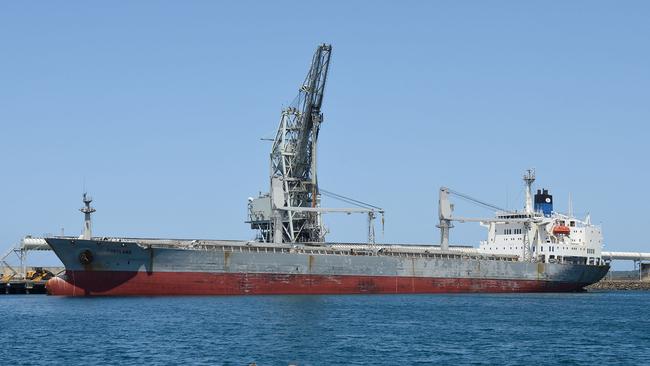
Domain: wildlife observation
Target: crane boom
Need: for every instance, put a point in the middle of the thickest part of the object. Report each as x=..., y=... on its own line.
x=311, y=99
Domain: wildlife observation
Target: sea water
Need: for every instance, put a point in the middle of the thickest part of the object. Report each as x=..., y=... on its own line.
x=569, y=329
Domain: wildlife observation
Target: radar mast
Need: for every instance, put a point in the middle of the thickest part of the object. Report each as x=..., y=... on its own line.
x=87, y=210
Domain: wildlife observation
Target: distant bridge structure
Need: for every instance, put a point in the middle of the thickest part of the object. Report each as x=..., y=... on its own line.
x=627, y=256
x=641, y=261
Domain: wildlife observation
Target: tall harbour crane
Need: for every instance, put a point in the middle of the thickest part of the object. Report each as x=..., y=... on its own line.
x=294, y=183
x=291, y=211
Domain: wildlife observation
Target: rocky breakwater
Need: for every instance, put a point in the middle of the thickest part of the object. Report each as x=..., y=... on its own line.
x=619, y=285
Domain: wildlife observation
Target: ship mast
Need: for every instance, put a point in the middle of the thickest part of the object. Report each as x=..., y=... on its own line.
x=529, y=179
x=87, y=210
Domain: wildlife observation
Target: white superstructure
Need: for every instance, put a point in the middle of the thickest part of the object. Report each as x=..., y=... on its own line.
x=541, y=234
x=555, y=238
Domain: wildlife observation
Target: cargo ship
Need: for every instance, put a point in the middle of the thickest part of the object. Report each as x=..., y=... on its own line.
x=531, y=250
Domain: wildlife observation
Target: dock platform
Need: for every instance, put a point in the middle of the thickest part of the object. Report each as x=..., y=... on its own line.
x=33, y=282
x=22, y=287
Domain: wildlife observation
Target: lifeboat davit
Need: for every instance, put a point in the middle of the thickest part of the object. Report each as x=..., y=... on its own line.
x=561, y=230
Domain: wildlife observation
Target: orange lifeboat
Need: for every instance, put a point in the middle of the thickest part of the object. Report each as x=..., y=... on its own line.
x=561, y=230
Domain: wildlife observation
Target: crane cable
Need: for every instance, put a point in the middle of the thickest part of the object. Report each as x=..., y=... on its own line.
x=349, y=200
x=477, y=201
x=357, y=203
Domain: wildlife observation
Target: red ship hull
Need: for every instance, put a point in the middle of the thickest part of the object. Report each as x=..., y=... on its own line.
x=111, y=283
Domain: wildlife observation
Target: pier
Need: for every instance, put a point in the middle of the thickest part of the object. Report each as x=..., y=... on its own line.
x=22, y=279
x=32, y=281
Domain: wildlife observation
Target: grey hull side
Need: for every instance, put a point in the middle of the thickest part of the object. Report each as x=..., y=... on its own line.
x=134, y=257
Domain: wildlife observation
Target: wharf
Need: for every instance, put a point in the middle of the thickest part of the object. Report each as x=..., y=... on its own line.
x=13, y=283
x=22, y=287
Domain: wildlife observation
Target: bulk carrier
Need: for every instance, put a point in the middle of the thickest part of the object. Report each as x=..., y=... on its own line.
x=533, y=250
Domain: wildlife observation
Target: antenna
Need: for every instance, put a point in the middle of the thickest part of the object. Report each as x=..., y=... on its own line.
x=570, y=206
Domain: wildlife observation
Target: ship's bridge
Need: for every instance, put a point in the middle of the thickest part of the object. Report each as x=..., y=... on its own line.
x=509, y=215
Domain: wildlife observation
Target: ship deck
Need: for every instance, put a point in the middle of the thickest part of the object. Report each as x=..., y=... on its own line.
x=327, y=248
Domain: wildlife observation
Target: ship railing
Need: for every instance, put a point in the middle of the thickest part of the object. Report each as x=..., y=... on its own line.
x=360, y=252
x=357, y=250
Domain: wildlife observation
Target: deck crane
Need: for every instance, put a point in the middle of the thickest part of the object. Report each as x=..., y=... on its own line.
x=532, y=221
x=446, y=209
x=291, y=212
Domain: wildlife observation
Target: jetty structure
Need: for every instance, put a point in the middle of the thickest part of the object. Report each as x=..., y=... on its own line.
x=22, y=279
x=535, y=249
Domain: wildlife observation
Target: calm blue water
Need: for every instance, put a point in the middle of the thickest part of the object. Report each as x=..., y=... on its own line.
x=587, y=328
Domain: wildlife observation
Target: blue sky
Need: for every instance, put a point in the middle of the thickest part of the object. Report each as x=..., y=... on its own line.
x=158, y=109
